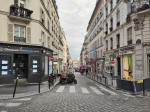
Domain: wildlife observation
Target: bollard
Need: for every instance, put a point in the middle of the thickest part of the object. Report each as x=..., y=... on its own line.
x=105, y=80
x=39, y=85
x=143, y=88
x=49, y=82
x=15, y=87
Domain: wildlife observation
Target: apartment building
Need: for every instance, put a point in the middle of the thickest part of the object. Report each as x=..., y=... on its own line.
x=95, y=39
x=125, y=36
x=29, y=36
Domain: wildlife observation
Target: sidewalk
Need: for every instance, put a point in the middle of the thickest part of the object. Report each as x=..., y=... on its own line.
x=6, y=91
x=105, y=83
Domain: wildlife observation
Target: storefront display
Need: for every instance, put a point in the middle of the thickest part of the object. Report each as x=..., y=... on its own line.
x=127, y=67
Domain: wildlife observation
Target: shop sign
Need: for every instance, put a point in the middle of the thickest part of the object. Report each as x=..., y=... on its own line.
x=17, y=50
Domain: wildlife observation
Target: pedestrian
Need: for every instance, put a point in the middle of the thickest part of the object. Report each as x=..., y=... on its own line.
x=86, y=71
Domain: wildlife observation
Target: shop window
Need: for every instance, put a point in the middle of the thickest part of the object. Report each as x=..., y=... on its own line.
x=46, y=65
x=127, y=67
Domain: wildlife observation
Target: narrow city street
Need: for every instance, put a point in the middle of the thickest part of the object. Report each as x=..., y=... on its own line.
x=85, y=96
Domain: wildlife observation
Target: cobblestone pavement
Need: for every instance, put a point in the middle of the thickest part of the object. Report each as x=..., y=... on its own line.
x=86, y=96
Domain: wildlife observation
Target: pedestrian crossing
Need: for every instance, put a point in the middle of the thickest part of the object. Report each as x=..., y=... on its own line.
x=99, y=90
x=12, y=103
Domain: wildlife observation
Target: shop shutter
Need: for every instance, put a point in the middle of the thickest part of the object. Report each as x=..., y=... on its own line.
x=28, y=35
x=10, y=32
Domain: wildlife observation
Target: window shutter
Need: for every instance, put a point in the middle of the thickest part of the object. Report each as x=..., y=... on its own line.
x=10, y=32
x=28, y=35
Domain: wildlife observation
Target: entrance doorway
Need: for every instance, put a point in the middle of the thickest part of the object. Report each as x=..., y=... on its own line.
x=21, y=65
x=119, y=67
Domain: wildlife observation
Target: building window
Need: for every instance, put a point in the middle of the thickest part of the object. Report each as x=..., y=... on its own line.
x=118, y=40
x=106, y=45
x=106, y=11
x=111, y=43
x=42, y=38
x=111, y=25
x=106, y=32
x=111, y=5
x=48, y=42
x=118, y=17
x=19, y=33
x=129, y=6
x=20, y=3
x=129, y=35
x=101, y=40
x=48, y=25
x=42, y=17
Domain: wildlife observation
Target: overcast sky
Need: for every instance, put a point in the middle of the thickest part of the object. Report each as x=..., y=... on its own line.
x=74, y=17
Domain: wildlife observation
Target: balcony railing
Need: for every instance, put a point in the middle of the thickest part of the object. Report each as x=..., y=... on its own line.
x=129, y=42
x=20, y=12
x=19, y=39
x=140, y=5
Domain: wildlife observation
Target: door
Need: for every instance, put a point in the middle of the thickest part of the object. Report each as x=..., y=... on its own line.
x=119, y=67
x=5, y=65
x=20, y=65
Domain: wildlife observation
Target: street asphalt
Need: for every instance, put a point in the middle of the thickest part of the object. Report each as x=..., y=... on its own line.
x=85, y=96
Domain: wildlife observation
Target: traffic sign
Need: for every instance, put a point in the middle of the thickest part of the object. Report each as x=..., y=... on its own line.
x=112, y=61
x=51, y=58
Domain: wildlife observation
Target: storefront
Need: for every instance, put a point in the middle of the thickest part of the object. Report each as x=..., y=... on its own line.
x=25, y=61
x=127, y=67
x=100, y=66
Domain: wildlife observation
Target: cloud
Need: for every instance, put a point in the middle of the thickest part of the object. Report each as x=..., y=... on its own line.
x=74, y=17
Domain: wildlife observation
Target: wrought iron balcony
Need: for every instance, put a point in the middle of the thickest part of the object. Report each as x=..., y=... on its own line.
x=129, y=42
x=19, y=39
x=140, y=5
x=20, y=13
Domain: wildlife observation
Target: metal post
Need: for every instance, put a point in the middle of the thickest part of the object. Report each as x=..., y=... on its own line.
x=15, y=87
x=105, y=80
x=143, y=88
x=49, y=81
x=39, y=84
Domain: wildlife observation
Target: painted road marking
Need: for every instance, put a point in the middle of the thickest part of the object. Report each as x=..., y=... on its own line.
x=24, y=99
x=84, y=90
x=72, y=89
x=128, y=95
x=12, y=104
x=111, y=92
x=1, y=104
x=96, y=90
x=60, y=89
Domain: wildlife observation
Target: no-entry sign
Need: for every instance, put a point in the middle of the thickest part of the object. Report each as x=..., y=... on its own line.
x=51, y=58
